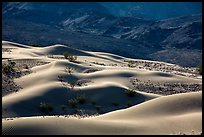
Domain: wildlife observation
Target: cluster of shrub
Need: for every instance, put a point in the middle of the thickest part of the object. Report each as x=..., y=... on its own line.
x=70, y=57
x=81, y=99
x=47, y=107
x=8, y=66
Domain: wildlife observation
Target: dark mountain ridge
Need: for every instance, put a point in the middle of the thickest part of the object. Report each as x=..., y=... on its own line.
x=88, y=25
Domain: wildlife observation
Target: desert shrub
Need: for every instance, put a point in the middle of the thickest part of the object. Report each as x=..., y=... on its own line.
x=8, y=66
x=160, y=88
x=131, y=64
x=115, y=104
x=81, y=99
x=72, y=83
x=66, y=54
x=130, y=92
x=46, y=107
x=63, y=107
x=50, y=56
x=70, y=57
x=72, y=102
x=25, y=66
x=69, y=70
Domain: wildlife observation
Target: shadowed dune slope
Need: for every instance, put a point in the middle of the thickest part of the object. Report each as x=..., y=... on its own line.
x=175, y=114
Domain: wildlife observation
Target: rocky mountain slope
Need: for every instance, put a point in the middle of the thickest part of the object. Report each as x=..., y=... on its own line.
x=90, y=26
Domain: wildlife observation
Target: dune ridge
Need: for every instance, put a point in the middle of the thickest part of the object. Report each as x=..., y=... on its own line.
x=104, y=79
x=135, y=120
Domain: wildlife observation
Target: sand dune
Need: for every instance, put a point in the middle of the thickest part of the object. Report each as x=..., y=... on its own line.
x=153, y=117
x=103, y=79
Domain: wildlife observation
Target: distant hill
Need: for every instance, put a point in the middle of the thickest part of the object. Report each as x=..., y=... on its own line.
x=153, y=10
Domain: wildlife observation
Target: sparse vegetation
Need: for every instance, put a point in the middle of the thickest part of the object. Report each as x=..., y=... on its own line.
x=131, y=64
x=70, y=57
x=72, y=83
x=46, y=107
x=50, y=56
x=81, y=99
x=99, y=63
x=25, y=66
x=66, y=54
x=69, y=70
x=83, y=82
x=72, y=102
x=130, y=92
x=8, y=66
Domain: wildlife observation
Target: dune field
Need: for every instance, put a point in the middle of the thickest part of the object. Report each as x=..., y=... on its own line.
x=98, y=93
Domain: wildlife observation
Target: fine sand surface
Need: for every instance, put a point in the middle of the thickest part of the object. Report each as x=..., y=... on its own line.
x=103, y=79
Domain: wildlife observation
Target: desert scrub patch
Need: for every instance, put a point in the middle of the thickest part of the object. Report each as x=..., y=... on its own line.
x=69, y=69
x=130, y=93
x=45, y=107
x=70, y=57
x=81, y=98
x=83, y=82
x=72, y=83
x=72, y=103
x=50, y=56
x=8, y=66
x=131, y=64
x=25, y=66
